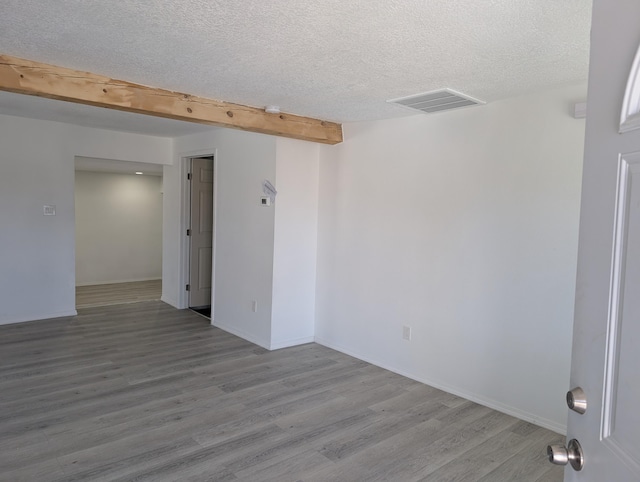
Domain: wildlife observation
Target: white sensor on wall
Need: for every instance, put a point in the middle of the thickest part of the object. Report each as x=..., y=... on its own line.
x=49, y=210
x=580, y=110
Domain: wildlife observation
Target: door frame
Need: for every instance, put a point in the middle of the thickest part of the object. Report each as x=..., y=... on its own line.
x=185, y=218
x=106, y=161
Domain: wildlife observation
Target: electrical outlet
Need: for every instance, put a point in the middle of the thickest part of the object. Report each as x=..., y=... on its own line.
x=406, y=333
x=49, y=210
x=254, y=306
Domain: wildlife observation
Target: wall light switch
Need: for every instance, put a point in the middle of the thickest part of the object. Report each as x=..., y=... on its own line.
x=254, y=306
x=406, y=333
x=49, y=210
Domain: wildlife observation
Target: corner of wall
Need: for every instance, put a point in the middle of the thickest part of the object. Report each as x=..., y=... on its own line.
x=243, y=245
x=295, y=243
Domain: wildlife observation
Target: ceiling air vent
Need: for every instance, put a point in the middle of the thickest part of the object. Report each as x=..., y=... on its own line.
x=436, y=101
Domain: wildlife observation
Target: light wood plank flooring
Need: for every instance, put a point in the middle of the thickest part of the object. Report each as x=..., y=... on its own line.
x=117, y=293
x=146, y=392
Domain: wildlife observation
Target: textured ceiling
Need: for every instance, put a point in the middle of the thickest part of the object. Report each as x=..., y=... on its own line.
x=335, y=59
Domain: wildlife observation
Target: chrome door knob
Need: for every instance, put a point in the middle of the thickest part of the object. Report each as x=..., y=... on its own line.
x=572, y=454
x=558, y=454
x=577, y=400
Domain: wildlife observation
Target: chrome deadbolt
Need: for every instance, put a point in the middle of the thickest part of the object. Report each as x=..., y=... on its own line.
x=561, y=455
x=577, y=400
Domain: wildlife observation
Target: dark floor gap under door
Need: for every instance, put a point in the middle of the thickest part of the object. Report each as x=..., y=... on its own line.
x=204, y=311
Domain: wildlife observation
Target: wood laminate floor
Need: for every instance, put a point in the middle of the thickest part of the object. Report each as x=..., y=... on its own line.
x=117, y=293
x=142, y=391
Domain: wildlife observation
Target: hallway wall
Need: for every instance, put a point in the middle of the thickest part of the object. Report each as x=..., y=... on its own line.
x=118, y=227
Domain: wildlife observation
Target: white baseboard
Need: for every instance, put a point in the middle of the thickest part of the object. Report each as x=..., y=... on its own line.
x=268, y=345
x=36, y=316
x=487, y=402
x=111, y=282
x=294, y=342
x=241, y=334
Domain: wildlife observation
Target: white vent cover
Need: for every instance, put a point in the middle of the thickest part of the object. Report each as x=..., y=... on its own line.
x=436, y=101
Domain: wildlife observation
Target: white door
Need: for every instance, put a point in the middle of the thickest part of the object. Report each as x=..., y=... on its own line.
x=606, y=338
x=201, y=232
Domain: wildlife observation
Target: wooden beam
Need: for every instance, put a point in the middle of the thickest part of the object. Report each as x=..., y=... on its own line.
x=33, y=78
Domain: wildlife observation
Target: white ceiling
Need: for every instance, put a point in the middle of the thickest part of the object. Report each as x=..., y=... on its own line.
x=93, y=164
x=335, y=59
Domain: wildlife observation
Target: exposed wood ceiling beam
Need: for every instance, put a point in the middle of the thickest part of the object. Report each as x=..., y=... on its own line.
x=34, y=78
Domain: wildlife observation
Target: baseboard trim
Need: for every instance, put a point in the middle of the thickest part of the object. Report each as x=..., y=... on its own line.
x=97, y=283
x=37, y=317
x=294, y=342
x=487, y=402
x=241, y=334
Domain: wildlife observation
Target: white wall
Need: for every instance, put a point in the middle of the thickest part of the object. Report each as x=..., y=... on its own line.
x=37, y=265
x=463, y=226
x=118, y=227
x=295, y=245
x=243, y=244
x=266, y=254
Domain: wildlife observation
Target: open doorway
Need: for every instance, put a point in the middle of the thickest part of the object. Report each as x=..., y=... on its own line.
x=118, y=214
x=200, y=234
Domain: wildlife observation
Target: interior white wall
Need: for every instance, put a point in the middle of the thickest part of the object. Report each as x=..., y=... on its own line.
x=463, y=226
x=119, y=146
x=37, y=262
x=244, y=230
x=295, y=243
x=118, y=227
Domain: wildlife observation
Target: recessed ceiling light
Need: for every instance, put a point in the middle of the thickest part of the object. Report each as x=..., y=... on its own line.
x=139, y=172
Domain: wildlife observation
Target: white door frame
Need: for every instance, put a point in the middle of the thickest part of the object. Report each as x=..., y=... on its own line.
x=185, y=215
